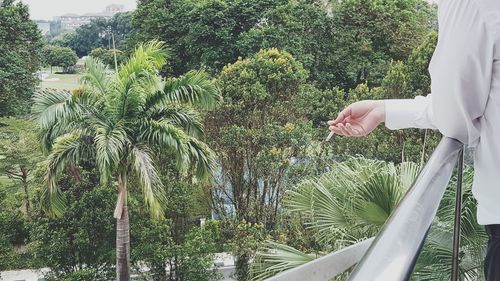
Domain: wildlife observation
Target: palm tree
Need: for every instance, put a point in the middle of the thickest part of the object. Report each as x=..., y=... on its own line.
x=120, y=120
x=352, y=201
x=435, y=261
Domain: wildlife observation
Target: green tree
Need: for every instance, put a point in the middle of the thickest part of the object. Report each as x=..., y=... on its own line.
x=13, y=233
x=19, y=153
x=411, y=78
x=342, y=45
x=177, y=243
x=258, y=132
x=372, y=33
x=107, y=56
x=307, y=31
x=97, y=34
x=200, y=33
x=82, y=238
x=59, y=56
x=258, y=129
x=119, y=121
x=20, y=44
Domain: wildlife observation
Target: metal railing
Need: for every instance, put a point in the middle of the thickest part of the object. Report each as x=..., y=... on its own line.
x=327, y=266
x=393, y=253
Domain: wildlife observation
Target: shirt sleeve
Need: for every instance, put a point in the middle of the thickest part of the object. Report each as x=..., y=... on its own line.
x=460, y=69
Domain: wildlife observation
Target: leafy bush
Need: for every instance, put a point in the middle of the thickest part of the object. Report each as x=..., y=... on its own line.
x=59, y=56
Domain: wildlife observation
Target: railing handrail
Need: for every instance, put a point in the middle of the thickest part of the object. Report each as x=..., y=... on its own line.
x=326, y=267
x=393, y=254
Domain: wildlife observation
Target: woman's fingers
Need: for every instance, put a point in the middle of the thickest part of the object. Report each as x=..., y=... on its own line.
x=344, y=114
x=344, y=130
x=336, y=130
x=349, y=130
x=356, y=130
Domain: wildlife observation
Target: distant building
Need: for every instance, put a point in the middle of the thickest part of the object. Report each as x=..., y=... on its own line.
x=44, y=27
x=73, y=21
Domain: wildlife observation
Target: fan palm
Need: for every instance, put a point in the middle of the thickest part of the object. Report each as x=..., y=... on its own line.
x=435, y=261
x=345, y=205
x=120, y=120
x=352, y=201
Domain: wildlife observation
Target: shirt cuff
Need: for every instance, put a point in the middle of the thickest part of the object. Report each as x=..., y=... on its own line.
x=405, y=113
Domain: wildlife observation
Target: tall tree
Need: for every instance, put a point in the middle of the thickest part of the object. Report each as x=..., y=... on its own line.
x=20, y=44
x=97, y=34
x=19, y=153
x=120, y=121
x=258, y=132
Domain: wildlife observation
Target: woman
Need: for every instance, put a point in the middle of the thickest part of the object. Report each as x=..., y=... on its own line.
x=464, y=104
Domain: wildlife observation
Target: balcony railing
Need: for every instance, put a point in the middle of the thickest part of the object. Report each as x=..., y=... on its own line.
x=392, y=254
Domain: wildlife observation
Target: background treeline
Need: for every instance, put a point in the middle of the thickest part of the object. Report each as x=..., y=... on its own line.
x=283, y=68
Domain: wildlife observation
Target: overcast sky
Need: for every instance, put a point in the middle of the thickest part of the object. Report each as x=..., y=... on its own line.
x=47, y=9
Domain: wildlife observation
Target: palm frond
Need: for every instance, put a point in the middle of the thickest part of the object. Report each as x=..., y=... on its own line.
x=408, y=172
x=166, y=137
x=136, y=79
x=50, y=107
x=347, y=196
x=377, y=198
x=194, y=88
x=201, y=158
x=142, y=164
x=111, y=145
x=148, y=57
x=67, y=149
x=433, y=264
x=274, y=258
x=183, y=117
x=96, y=77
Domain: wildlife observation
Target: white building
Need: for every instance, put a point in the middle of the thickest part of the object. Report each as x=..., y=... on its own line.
x=44, y=26
x=73, y=21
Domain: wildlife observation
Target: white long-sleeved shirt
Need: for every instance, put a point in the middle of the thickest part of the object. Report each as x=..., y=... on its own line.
x=465, y=93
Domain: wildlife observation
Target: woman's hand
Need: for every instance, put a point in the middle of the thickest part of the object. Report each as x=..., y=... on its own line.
x=359, y=119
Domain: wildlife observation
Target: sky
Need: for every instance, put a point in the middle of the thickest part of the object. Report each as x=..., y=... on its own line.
x=47, y=9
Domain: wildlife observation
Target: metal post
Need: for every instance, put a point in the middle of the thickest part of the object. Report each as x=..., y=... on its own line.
x=455, y=272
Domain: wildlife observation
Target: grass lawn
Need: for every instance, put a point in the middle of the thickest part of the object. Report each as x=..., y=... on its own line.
x=63, y=82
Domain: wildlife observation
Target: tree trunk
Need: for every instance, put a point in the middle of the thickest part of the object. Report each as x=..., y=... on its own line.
x=26, y=198
x=122, y=232
x=26, y=193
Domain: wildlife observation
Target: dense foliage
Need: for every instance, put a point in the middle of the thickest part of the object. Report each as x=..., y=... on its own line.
x=342, y=44
x=20, y=44
x=107, y=56
x=351, y=202
x=59, y=56
x=134, y=137
x=19, y=154
x=84, y=236
x=97, y=34
x=257, y=130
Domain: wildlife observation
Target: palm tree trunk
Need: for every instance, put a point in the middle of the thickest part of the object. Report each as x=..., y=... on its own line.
x=122, y=232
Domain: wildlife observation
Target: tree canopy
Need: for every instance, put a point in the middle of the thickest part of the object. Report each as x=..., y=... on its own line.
x=20, y=44
x=59, y=56
x=97, y=34
x=342, y=45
